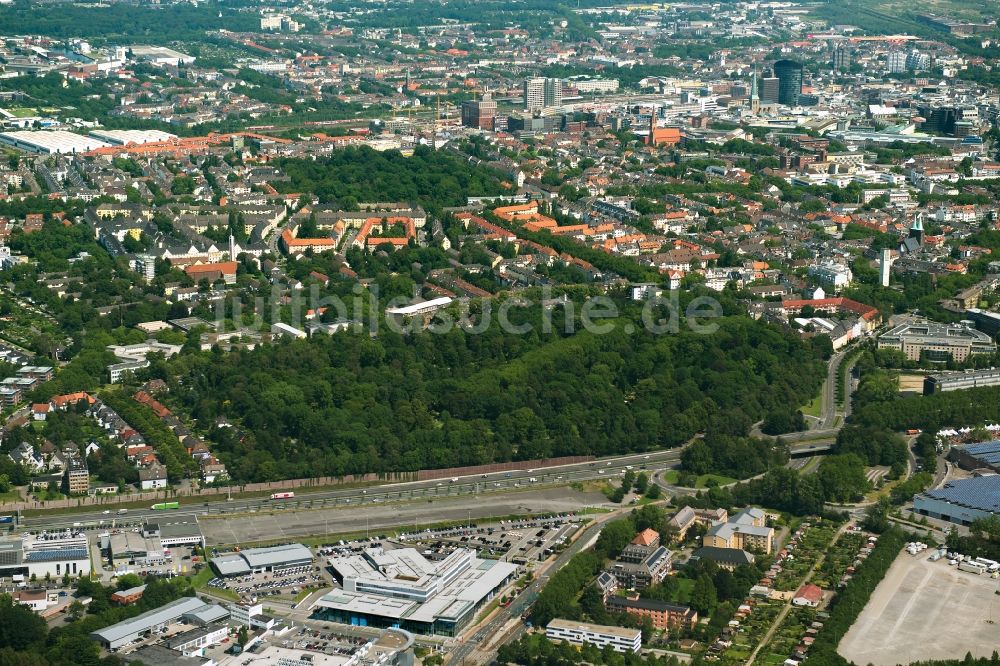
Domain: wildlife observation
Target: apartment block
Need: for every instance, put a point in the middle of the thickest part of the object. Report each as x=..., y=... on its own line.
x=578, y=633
x=746, y=530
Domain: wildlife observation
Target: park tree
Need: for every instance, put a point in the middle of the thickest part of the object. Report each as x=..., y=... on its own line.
x=703, y=594
x=20, y=628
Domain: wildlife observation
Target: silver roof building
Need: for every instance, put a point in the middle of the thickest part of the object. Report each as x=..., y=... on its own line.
x=123, y=633
x=262, y=559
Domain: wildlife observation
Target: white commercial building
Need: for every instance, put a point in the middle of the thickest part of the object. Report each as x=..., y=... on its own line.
x=243, y=614
x=595, y=85
x=423, y=307
x=619, y=638
x=284, y=329
x=50, y=141
x=276, y=655
x=402, y=588
x=192, y=643
x=134, y=357
x=835, y=276
x=256, y=560
x=160, y=55
x=125, y=137
x=53, y=555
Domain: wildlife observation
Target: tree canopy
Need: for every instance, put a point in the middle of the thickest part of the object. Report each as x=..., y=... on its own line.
x=351, y=403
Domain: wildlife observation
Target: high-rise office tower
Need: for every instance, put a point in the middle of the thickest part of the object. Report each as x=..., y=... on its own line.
x=789, y=75
x=917, y=61
x=841, y=59
x=895, y=62
x=553, y=92
x=540, y=93
x=479, y=113
x=768, y=88
x=534, y=94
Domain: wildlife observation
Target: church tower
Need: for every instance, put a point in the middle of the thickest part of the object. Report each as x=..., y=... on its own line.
x=917, y=230
x=754, y=94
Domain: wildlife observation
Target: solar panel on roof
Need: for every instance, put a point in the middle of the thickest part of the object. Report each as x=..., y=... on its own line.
x=53, y=555
x=984, y=447
x=981, y=493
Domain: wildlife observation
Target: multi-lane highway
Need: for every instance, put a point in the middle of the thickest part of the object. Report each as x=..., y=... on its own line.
x=390, y=493
x=480, y=484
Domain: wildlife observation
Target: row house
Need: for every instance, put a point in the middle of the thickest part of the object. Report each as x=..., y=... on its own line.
x=153, y=477
x=197, y=448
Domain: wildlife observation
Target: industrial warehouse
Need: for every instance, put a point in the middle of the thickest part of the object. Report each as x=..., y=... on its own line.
x=401, y=588
x=126, y=137
x=977, y=457
x=47, y=142
x=189, y=609
x=962, y=501
x=257, y=560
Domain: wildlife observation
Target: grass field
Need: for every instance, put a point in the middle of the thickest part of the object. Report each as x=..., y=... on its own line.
x=22, y=111
x=671, y=476
x=814, y=407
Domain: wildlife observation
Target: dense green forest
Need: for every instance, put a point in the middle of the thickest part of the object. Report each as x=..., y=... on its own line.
x=351, y=403
x=941, y=410
x=536, y=16
x=147, y=23
x=434, y=179
x=732, y=454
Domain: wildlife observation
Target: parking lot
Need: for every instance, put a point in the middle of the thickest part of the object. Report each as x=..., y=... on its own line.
x=286, y=581
x=317, y=640
x=923, y=611
x=520, y=541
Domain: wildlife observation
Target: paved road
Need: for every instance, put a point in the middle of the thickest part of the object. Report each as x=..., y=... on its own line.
x=849, y=387
x=829, y=393
x=483, y=642
x=421, y=491
x=827, y=424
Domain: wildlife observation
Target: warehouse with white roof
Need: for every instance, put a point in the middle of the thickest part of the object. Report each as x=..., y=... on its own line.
x=125, y=137
x=256, y=560
x=48, y=142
